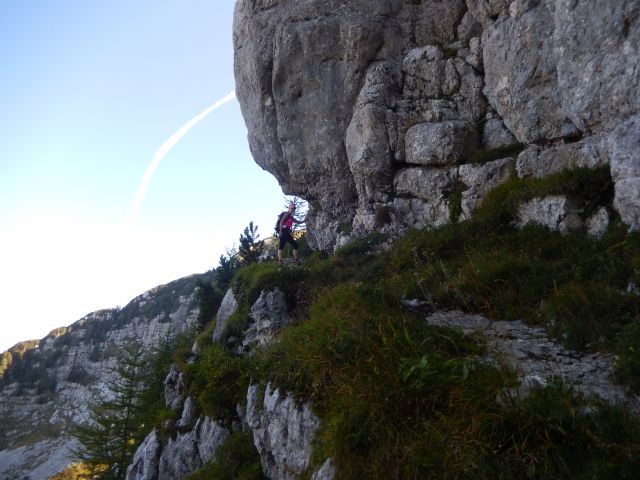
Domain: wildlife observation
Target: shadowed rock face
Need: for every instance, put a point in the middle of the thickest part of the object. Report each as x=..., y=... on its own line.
x=343, y=97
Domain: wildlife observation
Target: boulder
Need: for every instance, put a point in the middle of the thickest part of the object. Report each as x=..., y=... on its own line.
x=538, y=162
x=487, y=11
x=556, y=212
x=627, y=202
x=367, y=136
x=424, y=195
x=441, y=143
x=495, y=134
x=622, y=146
x=598, y=223
x=481, y=179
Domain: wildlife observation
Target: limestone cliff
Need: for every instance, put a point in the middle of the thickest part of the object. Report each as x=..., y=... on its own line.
x=379, y=111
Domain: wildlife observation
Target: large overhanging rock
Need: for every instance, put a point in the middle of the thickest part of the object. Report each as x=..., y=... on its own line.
x=343, y=97
x=300, y=67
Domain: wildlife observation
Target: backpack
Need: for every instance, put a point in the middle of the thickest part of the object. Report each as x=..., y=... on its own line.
x=277, y=227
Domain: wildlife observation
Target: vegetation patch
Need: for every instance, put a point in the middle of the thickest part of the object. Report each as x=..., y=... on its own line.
x=253, y=279
x=218, y=381
x=454, y=198
x=503, y=151
x=235, y=459
x=362, y=246
x=78, y=374
x=628, y=356
x=400, y=400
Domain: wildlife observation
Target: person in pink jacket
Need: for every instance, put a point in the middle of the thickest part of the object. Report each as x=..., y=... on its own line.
x=284, y=231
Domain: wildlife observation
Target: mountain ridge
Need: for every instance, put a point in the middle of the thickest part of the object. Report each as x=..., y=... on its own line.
x=50, y=384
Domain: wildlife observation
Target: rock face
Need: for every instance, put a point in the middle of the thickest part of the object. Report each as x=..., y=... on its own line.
x=556, y=212
x=358, y=105
x=184, y=452
x=268, y=316
x=73, y=366
x=188, y=452
x=283, y=431
x=146, y=460
x=228, y=307
x=179, y=456
x=173, y=387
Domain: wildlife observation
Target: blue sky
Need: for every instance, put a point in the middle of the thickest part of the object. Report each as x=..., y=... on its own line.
x=89, y=91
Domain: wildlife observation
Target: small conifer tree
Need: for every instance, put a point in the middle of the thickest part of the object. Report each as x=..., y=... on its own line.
x=251, y=247
x=108, y=441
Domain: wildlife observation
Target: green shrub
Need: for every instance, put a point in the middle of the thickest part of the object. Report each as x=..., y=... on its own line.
x=553, y=433
x=356, y=342
x=218, y=381
x=79, y=375
x=588, y=314
x=503, y=151
x=628, y=356
x=250, y=281
x=362, y=245
x=235, y=459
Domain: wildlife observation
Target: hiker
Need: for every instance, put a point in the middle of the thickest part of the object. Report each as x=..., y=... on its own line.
x=284, y=230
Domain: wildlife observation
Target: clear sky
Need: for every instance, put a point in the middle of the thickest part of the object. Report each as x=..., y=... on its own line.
x=89, y=93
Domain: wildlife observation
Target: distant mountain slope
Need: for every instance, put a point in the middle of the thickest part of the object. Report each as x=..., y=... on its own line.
x=48, y=385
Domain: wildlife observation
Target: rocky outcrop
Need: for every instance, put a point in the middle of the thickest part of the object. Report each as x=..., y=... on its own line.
x=365, y=107
x=173, y=388
x=185, y=451
x=188, y=452
x=268, y=316
x=283, y=431
x=179, y=456
x=146, y=460
x=228, y=307
x=326, y=472
x=537, y=359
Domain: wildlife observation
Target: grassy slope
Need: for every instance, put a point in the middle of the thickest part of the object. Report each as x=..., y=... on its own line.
x=401, y=400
